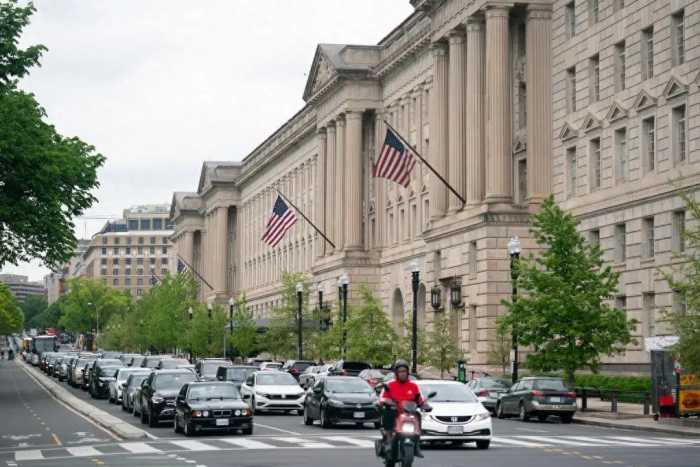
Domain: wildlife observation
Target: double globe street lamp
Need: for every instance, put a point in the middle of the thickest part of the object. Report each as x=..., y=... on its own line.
x=415, y=282
x=343, y=282
x=514, y=253
x=300, y=298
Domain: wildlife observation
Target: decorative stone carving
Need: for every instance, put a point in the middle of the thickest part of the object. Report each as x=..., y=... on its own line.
x=615, y=112
x=590, y=123
x=674, y=88
x=644, y=100
x=568, y=132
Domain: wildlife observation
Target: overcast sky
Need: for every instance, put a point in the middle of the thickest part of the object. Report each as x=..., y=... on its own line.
x=158, y=86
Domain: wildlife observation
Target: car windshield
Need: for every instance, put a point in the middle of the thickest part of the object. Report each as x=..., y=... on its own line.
x=109, y=370
x=174, y=380
x=110, y=362
x=152, y=362
x=214, y=391
x=377, y=374
x=355, y=366
x=210, y=368
x=276, y=379
x=123, y=375
x=172, y=363
x=136, y=361
x=448, y=392
x=550, y=384
x=239, y=374
x=348, y=387
x=493, y=383
x=273, y=365
x=136, y=380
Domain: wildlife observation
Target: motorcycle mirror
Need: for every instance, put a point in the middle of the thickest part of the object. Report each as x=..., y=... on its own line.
x=432, y=394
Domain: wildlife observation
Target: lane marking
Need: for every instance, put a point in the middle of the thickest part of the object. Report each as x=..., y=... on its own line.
x=31, y=455
x=515, y=442
x=247, y=443
x=635, y=441
x=305, y=443
x=276, y=429
x=194, y=445
x=556, y=441
x=599, y=441
x=354, y=441
x=56, y=439
x=679, y=440
x=83, y=451
x=139, y=448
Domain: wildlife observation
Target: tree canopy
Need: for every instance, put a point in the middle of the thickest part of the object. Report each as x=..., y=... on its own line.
x=88, y=301
x=11, y=318
x=370, y=335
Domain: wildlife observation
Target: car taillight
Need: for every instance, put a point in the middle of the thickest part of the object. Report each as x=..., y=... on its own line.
x=293, y=370
x=571, y=394
x=484, y=393
x=343, y=372
x=536, y=393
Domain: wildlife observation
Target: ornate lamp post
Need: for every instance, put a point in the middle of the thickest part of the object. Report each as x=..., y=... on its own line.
x=514, y=252
x=209, y=309
x=231, y=302
x=343, y=282
x=300, y=298
x=415, y=281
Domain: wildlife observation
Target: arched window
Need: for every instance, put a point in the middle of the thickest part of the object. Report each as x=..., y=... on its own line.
x=397, y=311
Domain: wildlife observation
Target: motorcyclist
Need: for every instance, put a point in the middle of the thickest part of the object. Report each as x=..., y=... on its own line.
x=401, y=389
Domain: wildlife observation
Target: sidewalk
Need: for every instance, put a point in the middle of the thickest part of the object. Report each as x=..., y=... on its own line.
x=631, y=417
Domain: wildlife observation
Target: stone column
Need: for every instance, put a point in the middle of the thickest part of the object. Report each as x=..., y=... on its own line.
x=476, y=157
x=320, y=193
x=380, y=192
x=340, y=179
x=499, y=170
x=353, y=181
x=330, y=186
x=456, y=85
x=438, y=131
x=187, y=246
x=222, y=247
x=539, y=103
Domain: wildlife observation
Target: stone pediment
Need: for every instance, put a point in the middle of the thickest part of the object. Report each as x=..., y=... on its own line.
x=644, y=100
x=615, y=112
x=590, y=123
x=674, y=88
x=213, y=171
x=567, y=132
x=321, y=73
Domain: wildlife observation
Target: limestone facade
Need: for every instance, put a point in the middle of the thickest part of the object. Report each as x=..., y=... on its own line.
x=477, y=87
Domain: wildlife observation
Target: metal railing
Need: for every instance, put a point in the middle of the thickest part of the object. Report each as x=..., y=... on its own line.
x=613, y=395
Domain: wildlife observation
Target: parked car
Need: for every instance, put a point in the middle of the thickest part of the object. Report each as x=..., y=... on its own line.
x=109, y=354
x=308, y=377
x=345, y=368
x=538, y=397
x=126, y=358
x=488, y=390
x=273, y=390
x=374, y=376
x=173, y=363
x=211, y=406
x=116, y=387
x=65, y=367
x=102, y=372
x=78, y=370
x=236, y=374
x=136, y=361
x=131, y=388
x=206, y=368
x=158, y=394
x=271, y=366
x=152, y=361
x=296, y=367
x=457, y=416
x=341, y=399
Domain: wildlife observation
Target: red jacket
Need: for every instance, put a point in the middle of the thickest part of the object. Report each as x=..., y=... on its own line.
x=406, y=391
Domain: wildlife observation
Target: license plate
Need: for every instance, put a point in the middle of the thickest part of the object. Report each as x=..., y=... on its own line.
x=455, y=430
x=555, y=399
x=222, y=422
x=358, y=414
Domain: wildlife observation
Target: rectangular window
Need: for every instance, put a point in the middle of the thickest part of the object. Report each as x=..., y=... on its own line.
x=139, y=281
x=127, y=281
x=522, y=180
x=472, y=257
x=594, y=237
x=622, y=165
x=145, y=224
x=413, y=222
x=128, y=240
x=139, y=272
x=115, y=282
x=571, y=89
x=649, y=143
x=570, y=19
x=620, y=66
x=152, y=260
x=115, y=272
x=127, y=271
x=595, y=163
x=164, y=250
x=115, y=262
x=157, y=224
x=116, y=240
x=648, y=237
x=678, y=38
x=140, y=250
x=522, y=105
x=594, y=78
x=104, y=240
x=680, y=303
x=680, y=146
x=163, y=271
x=127, y=260
x=621, y=303
x=593, y=11
x=153, y=240
x=571, y=164
x=115, y=251
x=426, y=214
x=647, y=51
x=621, y=243
x=649, y=310
x=128, y=250
x=133, y=224
x=678, y=232
x=104, y=251
x=140, y=240
x=152, y=250
x=164, y=260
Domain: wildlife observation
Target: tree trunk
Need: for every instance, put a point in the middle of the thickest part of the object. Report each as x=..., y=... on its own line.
x=569, y=374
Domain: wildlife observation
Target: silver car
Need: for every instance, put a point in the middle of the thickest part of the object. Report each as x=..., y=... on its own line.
x=116, y=387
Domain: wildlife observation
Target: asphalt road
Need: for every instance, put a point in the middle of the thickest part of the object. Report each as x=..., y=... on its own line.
x=283, y=440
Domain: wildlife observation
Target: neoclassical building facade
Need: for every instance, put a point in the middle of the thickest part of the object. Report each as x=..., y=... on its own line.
x=484, y=91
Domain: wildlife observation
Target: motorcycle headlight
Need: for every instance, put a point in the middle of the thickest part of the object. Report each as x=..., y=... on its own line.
x=408, y=428
x=156, y=399
x=336, y=402
x=482, y=416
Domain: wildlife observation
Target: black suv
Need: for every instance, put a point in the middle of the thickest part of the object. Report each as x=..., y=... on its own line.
x=158, y=394
x=101, y=373
x=297, y=367
x=206, y=368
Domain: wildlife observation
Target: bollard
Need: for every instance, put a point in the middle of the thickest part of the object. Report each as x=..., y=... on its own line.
x=584, y=400
x=646, y=403
x=613, y=402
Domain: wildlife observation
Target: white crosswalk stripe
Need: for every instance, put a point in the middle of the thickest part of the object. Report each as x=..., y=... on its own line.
x=194, y=445
x=139, y=448
x=306, y=443
x=248, y=443
x=553, y=440
x=521, y=443
x=354, y=441
x=83, y=451
x=603, y=442
x=30, y=455
x=643, y=441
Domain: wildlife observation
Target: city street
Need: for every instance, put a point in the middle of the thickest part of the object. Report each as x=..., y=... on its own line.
x=39, y=430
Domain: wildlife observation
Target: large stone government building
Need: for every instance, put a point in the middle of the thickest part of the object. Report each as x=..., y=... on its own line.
x=594, y=101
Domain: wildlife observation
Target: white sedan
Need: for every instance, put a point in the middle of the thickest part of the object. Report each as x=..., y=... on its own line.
x=457, y=415
x=273, y=390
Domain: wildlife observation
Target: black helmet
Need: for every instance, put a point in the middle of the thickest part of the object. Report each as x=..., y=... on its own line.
x=400, y=363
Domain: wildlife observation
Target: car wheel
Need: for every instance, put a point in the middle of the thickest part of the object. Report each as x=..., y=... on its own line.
x=325, y=423
x=248, y=431
x=176, y=425
x=188, y=430
x=542, y=418
x=483, y=444
x=499, y=411
x=566, y=418
x=524, y=416
x=308, y=421
x=377, y=425
x=360, y=425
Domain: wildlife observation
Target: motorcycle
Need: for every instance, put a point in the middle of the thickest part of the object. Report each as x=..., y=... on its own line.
x=403, y=444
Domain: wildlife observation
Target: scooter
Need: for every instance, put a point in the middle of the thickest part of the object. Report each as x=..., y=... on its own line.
x=404, y=443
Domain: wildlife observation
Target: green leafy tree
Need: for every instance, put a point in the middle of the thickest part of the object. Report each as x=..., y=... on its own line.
x=244, y=336
x=11, y=318
x=88, y=301
x=281, y=339
x=46, y=179
x=49, y=318
x=684, y=279
x=370, y=336
x=442, y=352
x=499, y=349
x=204, y=335
x=563, y=314
x=33, y=306
x=403, y=346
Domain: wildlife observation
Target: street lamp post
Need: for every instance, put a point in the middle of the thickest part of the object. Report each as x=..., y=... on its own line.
x=190, y=314
x=209, y=309
x=514, y=252
x=231, y=302
x=300, y=298
x=415, y=276
x=343, y=282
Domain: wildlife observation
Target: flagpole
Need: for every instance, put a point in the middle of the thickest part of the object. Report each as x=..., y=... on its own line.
x=194, y=271
x=427, y=164
x=306, y=218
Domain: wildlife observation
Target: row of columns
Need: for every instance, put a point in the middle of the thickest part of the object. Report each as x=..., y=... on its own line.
x=470, y=110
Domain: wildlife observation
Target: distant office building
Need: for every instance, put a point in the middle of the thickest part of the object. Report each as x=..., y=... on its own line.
x=131, y=253
x=20, y=286
x=55, y=281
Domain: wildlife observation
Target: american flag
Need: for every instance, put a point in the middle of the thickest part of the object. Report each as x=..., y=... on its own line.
x=282, y=220
x=396, y=160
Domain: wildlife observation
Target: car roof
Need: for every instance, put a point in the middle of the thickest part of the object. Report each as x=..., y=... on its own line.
x=437, y=381
x=343, y=378
x=540, y=377
x=211, y=383
x=172, y=371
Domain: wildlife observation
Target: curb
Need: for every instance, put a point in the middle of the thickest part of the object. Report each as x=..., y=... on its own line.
x=657, y=429
x=105, y=420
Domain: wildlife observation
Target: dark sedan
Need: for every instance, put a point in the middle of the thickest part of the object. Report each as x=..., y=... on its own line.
x=211, y=406
x=538, y=397
x=341, y=399
x=158, y=394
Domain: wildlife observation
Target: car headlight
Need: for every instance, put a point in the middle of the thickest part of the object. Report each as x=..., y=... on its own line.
x=262, y=394
x=482, y=416
x=408, y=428
x=237, y=413
x=156, y=400
x=196, y=413
x=336, y=402
x=205, y=413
